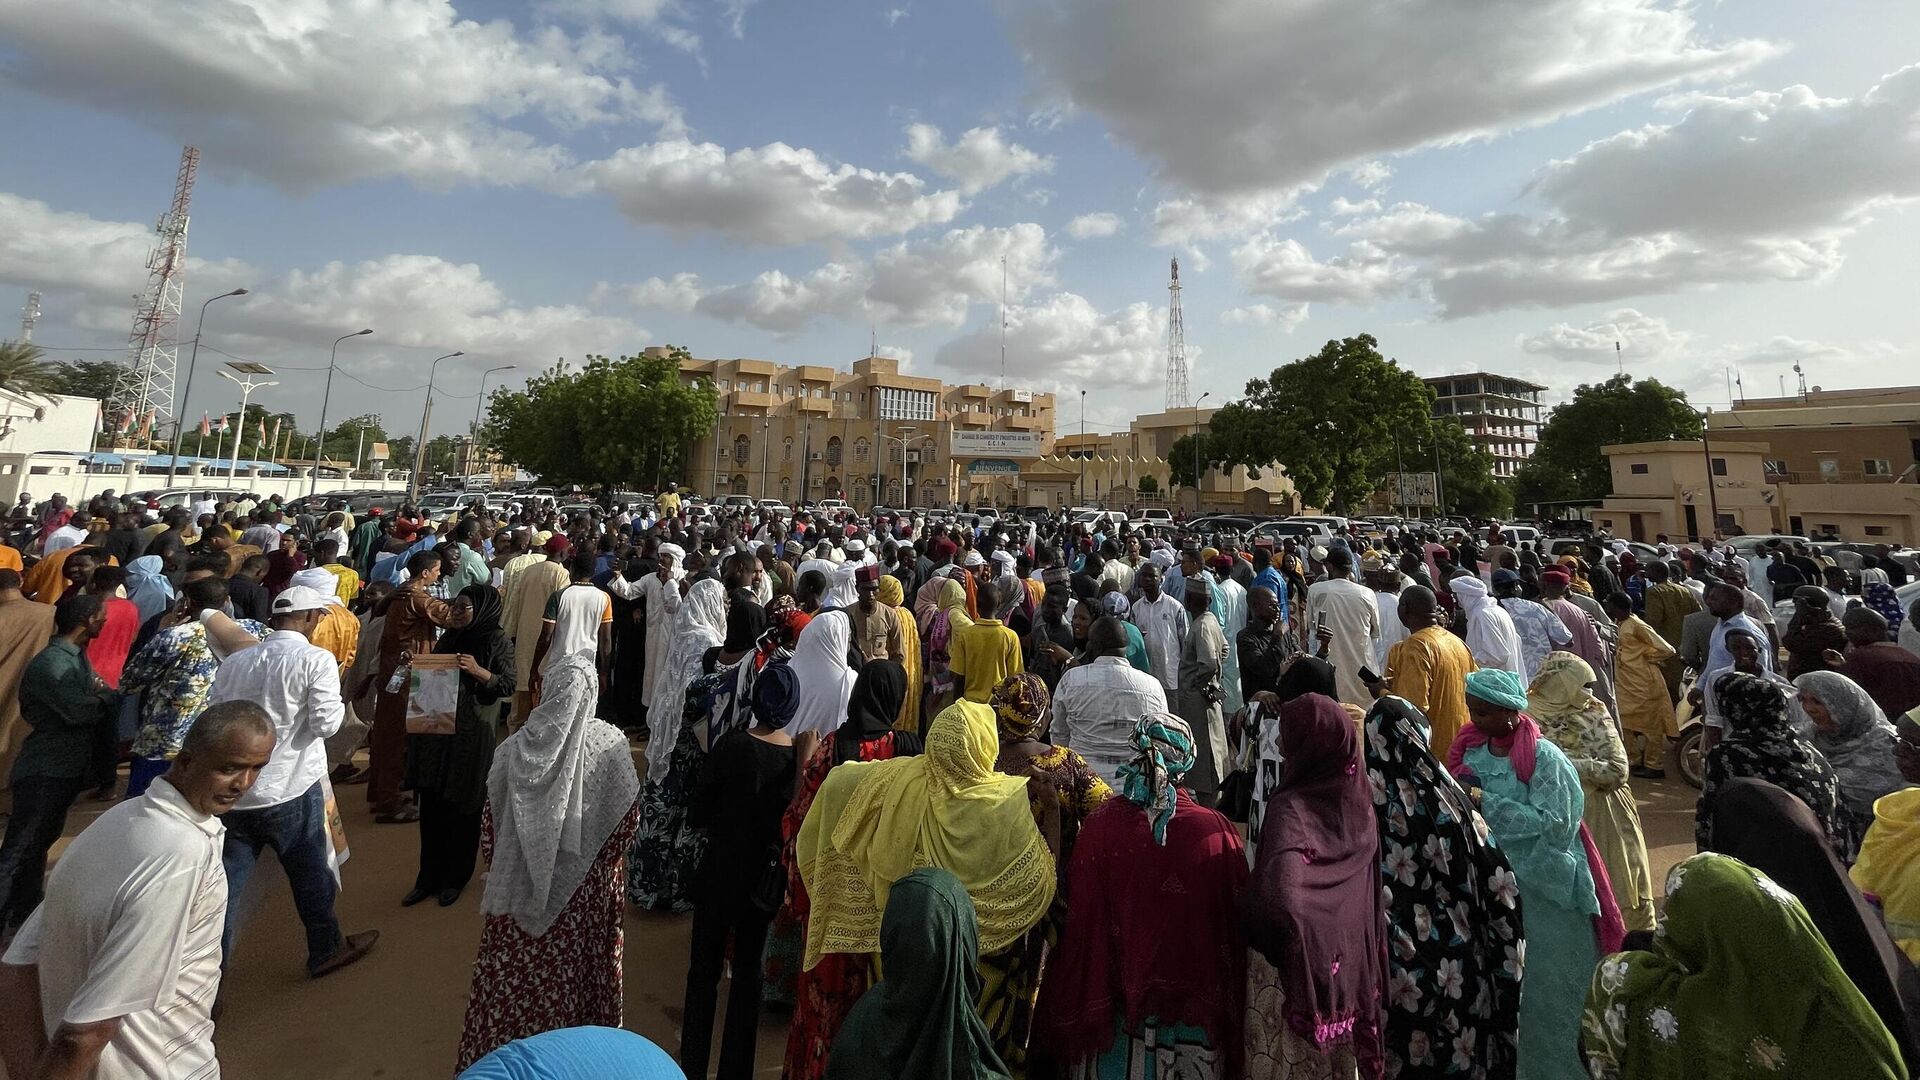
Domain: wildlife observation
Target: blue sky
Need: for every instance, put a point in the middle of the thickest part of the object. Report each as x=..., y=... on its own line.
x=1505, y=184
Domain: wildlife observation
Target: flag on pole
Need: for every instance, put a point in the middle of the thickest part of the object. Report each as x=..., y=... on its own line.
x=204, y=426
x=262, y=440
x=146, y=425
x=126, y=422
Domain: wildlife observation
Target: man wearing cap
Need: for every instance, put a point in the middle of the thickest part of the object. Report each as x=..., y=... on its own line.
x=876, y=626
x=298, y=684
x=1345, y=614
x=660, y=593
x=1198, y=696
x=1233, y=600
x=1540, y=630
x=338, y=631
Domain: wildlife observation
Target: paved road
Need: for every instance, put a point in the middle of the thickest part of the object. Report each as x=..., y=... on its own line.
x=398, y=1013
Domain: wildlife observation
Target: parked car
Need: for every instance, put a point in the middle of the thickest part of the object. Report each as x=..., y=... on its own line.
x=161, y=499
x=1336, y=525
x=1305, y=532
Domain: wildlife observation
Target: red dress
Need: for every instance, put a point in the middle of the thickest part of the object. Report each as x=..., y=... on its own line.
x=826, y=994
x=568, y=977
x=107, y=652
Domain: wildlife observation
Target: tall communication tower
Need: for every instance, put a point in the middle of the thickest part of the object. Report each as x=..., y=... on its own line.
x=29, y=317
x=153, y=348
x=1176, y=346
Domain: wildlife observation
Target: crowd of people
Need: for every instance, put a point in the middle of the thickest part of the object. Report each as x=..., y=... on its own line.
x=993, y=798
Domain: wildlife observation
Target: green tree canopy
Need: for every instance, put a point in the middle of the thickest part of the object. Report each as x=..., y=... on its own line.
x=86, y=378
x=1568, y=463
x=1331, y=418
x=621, y=421
x=1183, y=461
x=24, y=371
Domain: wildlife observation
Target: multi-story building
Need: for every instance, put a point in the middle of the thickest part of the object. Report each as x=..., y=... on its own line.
x=1108, y=468
x=1501, y=414
x=871, y=436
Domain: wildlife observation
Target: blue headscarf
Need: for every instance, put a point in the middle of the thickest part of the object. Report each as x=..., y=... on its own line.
x=148, y=587
x=1166, y=753
x=1499, y=686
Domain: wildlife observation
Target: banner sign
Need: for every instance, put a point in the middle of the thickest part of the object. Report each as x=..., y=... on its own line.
x=1001, y=444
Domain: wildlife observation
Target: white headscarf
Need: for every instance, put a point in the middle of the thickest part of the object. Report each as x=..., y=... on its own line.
x=559, y=788
x=699, y=625
x=320, y=581
x=826, y=682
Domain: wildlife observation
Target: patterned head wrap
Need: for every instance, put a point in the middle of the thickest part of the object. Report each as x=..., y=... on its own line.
x=1020, y=704
x=1115, y=604
x=1166, y=752
x=1499, y=686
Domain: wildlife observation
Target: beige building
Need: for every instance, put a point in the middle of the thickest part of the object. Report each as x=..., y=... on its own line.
x=1501, y=414
x=1685, y=490
x=1108, y=468
x=871, y=436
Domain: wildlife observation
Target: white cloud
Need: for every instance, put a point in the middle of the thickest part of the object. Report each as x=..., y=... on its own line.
x=1252, y=95
x=1344, y=207
x=775, y=194
x=931, y=282
x=1640, y=337
x=1089, y=226
x=1185, y=220
x=1372, y=175
x=977, y=160
x=309, y=94
x=1063, y=343
x=1286, y=270
x=1286, y=316
x=894, y=15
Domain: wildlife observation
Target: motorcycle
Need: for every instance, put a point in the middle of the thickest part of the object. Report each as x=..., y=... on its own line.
x=1690, y=746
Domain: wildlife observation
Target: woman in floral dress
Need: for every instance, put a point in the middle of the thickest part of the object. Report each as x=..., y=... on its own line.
x=823, y=996
x=1062, y=778
x=1454, y=930
x=665, y=852
x=560, y=811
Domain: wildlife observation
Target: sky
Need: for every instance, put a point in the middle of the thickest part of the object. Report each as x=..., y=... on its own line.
x=1507, y=185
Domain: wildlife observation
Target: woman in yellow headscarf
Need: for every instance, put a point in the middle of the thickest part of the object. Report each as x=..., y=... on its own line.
x=894, y=595
x=1577, y=570
x=949, y=619
x=1580, y=726
x=872, y=823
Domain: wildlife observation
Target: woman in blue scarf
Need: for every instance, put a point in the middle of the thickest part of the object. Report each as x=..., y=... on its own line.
x=148, y=587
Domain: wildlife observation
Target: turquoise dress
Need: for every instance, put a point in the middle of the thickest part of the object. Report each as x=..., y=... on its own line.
x=1537, y=825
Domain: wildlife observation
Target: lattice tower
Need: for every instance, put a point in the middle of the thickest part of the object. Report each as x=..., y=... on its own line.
x=153, y=348
x=1176, y=346
x=29, y=317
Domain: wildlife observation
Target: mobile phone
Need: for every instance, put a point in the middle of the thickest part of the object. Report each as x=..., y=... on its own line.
x=1367, y=677
x=1319, y=620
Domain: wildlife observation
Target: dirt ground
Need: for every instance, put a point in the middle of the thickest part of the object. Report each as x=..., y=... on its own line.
x=398, y=1012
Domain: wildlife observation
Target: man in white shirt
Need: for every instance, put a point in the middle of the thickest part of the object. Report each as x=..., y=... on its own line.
x=115, y=974
x=1163, y=626
x=1491, y=637
x=298, y=683
x=204, y=505
x=64, y=537
x=1098, y=701
x=1386, y=581
x=1348, y=611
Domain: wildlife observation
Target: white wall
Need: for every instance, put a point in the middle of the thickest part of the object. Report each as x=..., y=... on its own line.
x=52, y=422
x=45, y=474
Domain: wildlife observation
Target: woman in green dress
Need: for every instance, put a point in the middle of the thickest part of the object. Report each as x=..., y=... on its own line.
x=1738, y=983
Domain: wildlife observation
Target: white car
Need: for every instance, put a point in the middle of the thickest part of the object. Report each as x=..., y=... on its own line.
x=1336, y=526
x=832, y=506
x=1159, y=515
x=775, y=507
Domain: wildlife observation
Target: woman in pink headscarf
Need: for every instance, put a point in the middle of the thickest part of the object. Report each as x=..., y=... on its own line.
x=1531, y=798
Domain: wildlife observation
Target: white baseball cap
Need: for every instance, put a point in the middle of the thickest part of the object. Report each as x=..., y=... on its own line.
x=297, y=598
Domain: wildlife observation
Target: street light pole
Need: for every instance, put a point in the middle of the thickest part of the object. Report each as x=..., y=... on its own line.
x=1199, y=444
x=313, y=484
x=247, y=387
x=420, y=445
x=1083, y=446
x=179, y=420
x=481, y=404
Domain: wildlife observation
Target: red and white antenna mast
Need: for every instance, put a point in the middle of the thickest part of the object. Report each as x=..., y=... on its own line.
x=153, y=348
x=1177, y=394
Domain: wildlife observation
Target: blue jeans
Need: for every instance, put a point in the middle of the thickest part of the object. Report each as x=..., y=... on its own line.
x=297, y=832
x=40, y=805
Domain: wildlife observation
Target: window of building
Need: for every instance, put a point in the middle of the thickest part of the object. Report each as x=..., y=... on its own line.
x=833, y=450
x=742, y=449
x=1774, y=467
x=1876, y=467
x=1719, y=466
x=895, y=453
x=1829, y=469
x=861, y=451
x=1878, y=530
x=739, y=484
x=898, y=404
x=786, y=451
x=927, y=453
x=786, y=488
x=726, y=384
x=1638, y=468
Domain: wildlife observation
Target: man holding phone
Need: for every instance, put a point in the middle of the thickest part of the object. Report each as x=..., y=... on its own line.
x=1346, y=623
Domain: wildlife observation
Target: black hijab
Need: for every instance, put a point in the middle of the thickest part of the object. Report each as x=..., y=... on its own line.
x=1307, y=675
x=483, y=639
x=1767, y=828
x=872, y=707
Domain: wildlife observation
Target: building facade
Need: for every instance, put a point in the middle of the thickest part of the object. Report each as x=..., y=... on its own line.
x=1501, y=414
x=1107, y=469
x=871, y=436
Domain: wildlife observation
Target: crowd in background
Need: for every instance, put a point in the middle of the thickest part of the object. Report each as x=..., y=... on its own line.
x=1022, y=797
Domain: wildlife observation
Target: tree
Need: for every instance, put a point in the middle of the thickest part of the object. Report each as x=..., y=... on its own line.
x=1149, y=485
x=86, y=378
x=1568, y=464
x=23, y=370
x=613, y=422
x=356, y=434
x=1331, y=418
x=1467, y=483
x=1183, y=461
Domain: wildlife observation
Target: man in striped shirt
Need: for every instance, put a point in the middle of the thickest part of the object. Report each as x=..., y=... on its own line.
x=115, y=974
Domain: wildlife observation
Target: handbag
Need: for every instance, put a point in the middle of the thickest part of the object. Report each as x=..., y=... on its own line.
x=770, y=889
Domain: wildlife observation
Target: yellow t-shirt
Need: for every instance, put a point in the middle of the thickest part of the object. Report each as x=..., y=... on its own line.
x=346, y=581
x=983, y=655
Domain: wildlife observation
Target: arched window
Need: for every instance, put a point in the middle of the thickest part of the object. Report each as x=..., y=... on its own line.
x=893, y=492
x=786, y=486
x=833, y=450
x=786, y=451
x=861, y=451
x=742, y=449
x=833, y=487
x=927, y=452
x=739, y=484
x=896, y=453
